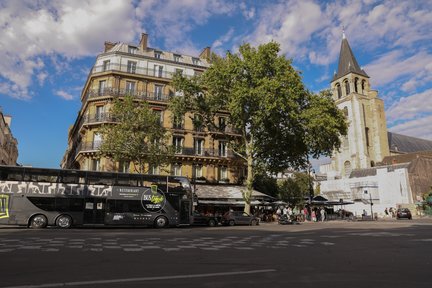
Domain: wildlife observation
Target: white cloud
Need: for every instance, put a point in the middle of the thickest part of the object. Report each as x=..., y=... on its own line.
x=73, y=29
x=411, y=107
x=63, y=94
x=421, y=128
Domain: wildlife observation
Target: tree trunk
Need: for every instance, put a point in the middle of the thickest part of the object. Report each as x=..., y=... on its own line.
x=249, y=180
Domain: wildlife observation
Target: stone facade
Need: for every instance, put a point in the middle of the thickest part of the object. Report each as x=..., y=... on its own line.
x=8, y=144
x=146, y=74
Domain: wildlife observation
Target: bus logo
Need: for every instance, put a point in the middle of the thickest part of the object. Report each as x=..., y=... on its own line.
x=153, y=200
x=4, y=206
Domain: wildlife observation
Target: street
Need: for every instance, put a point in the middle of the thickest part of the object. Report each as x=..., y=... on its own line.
x=330, y=254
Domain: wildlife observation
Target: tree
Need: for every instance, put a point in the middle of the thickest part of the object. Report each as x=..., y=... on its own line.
x=294, y=189
x=266, y=184
x=268, y=105
x=136, y=136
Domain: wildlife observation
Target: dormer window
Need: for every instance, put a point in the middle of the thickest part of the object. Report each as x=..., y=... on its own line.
x=132, y=50
x=177, y=57
x=158, y=54
x=195, y=61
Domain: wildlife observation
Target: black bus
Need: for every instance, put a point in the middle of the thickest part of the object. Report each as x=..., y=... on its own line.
x=38, y=197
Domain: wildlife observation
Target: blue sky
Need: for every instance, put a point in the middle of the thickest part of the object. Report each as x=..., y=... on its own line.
x=48, y=47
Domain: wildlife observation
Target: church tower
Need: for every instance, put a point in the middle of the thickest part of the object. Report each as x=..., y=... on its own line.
x=366, y=142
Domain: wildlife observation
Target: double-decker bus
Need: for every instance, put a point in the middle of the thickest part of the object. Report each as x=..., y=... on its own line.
x=39, y=197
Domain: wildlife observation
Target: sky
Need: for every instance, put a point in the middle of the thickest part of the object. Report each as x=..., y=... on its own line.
x=47, y=49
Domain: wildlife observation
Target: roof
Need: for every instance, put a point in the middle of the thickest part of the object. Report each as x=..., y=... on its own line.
x=225, y=192
x=406, y=158
x=347, y=62
x=357, y=173
x=407, y=144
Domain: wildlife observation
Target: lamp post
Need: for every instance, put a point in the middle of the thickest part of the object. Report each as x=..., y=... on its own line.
x=371, y=203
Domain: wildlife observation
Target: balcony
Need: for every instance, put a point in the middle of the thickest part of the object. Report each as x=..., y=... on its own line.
x=138, y=94
x=89, y=146
x=102, y=117
x=115, y=67
x=205, y=152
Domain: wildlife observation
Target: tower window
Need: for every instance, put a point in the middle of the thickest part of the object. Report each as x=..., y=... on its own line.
x=347, y=88
x=363, y=86
x=356, y=80
x=339, y=91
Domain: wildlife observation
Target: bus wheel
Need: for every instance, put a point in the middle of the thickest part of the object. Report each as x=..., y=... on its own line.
x=254, y=222
x=212, y=223
x=161, y=222
x=231, y=223
x=38, y=221
x=64, y=221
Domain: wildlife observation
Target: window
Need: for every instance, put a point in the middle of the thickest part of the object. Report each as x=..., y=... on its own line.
x=345, y=111
x=158, y=92
x=97, y=140
x=197, y=171
x=199, y=146
x=179, y=71
x=339, y=91
x=222, y=123
x=154, y=170
x=178, y=122
x=196, y=61
x=132, y=50
x=356, y=80
x=178, y=144
x=106, y=65
x=367, y=136
x=176, y=169
x=222, y=149
x=347, y=168
x=124, y=166
x=197, y=73
x=177, y=58
x=223, y=173
x=95, y=165
x=160, y=115
x=158, y=70
x=131, y=67
x=347, y=88
x=158, y=54
x=363, y=83
x=99, y=113
x=102, y=85
x=130, y=87
x=197, y=123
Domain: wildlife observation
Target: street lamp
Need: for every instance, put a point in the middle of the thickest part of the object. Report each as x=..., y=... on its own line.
x=371, y=203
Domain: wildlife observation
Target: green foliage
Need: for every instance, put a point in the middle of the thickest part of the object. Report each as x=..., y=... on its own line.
x=294, y=190
x=266, y=184
x=278, y=120
x=137, y=136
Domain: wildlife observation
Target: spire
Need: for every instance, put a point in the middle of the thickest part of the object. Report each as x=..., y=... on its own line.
x=347, y=61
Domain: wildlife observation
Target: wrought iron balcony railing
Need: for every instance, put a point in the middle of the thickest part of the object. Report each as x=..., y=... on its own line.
x=114, y=92
x=133, y=69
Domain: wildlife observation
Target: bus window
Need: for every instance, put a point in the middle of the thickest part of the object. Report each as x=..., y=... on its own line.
x=41, y=175
x=126, y=180
x=97, y=178
x=124, y=206
x=11, y=174
x=44, y=203
x=72, y=177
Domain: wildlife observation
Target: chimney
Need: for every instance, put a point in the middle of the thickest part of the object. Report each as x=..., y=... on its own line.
x=143, y=41
x=205, y=54
x=108, y=46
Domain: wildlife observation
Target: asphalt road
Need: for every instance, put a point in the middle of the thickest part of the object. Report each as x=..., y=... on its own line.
x=331, y=254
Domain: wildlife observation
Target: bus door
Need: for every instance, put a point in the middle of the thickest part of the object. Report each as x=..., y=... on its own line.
x=185, y=211
x=94, y=212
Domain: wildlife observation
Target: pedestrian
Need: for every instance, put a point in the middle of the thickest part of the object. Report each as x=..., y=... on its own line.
x=314, y=218
x=386, y=213
x=322, y=214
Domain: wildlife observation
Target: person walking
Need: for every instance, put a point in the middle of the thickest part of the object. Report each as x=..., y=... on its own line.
x=314, y=218
x=322, y=211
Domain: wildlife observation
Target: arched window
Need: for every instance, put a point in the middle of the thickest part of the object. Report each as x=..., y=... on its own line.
x=356, y=80
x=372, y=164
x=345, y=111
x=347, y=168
x=363, y=86
x=339, y=90
x=347, y=88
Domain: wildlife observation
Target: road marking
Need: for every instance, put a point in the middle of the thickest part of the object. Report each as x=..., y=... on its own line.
x=125, y=280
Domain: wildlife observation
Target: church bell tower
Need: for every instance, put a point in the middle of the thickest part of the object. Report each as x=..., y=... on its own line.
x=366, y=142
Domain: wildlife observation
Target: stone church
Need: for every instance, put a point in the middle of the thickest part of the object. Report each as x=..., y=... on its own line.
x=359, y=171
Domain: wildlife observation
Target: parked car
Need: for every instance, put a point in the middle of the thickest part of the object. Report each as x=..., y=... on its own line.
x=205, y=220
x=402, y=213
x=232, y=218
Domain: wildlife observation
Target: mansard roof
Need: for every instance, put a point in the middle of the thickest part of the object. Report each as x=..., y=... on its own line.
x=407, y=144
x=347, y=62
